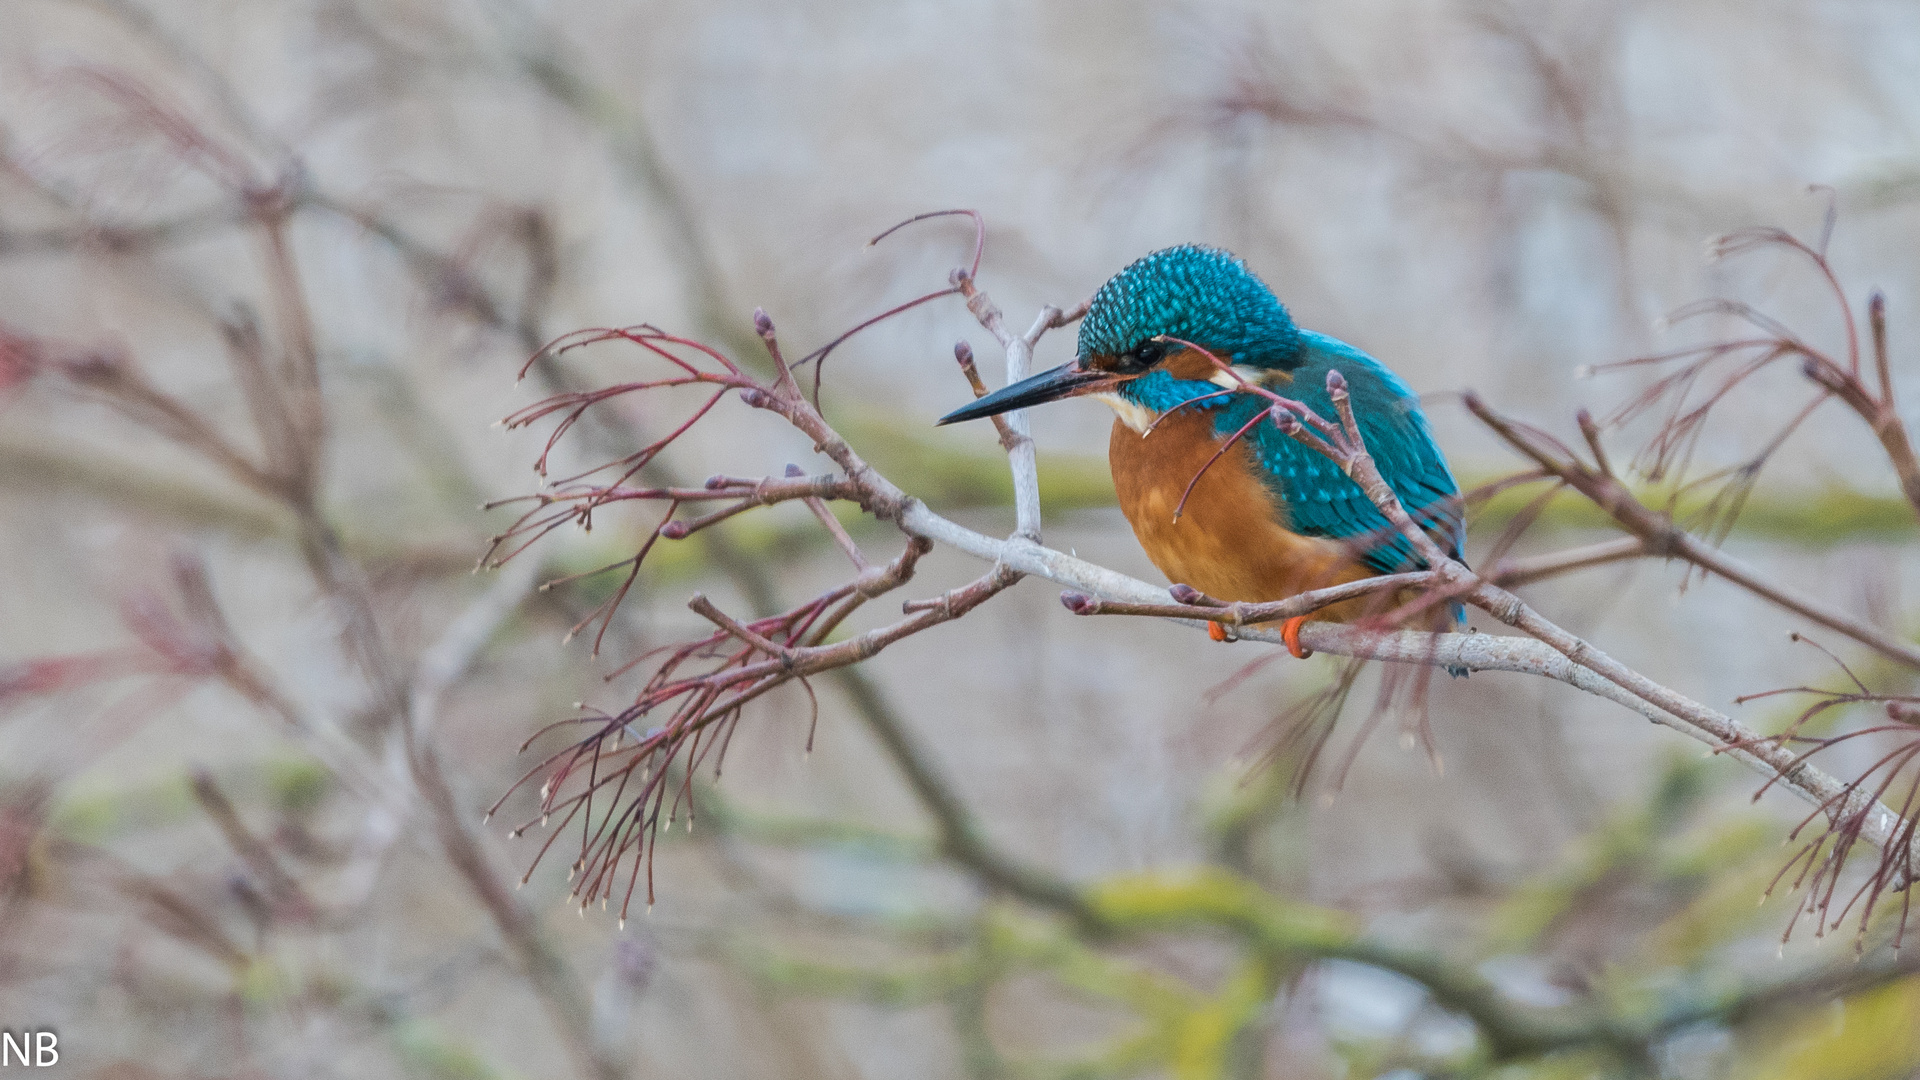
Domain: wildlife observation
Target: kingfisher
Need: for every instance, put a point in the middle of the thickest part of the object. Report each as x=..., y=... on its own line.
x=1268, y=518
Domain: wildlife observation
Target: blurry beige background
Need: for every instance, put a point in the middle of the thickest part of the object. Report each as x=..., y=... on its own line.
x=1483, y=195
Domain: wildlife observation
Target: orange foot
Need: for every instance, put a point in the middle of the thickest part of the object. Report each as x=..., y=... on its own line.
x=1217, y=632
x=1290, y=633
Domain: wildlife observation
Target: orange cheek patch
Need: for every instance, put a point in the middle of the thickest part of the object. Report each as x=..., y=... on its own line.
x=1190, y=364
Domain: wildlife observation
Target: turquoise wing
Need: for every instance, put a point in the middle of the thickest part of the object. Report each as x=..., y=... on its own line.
x=1320, y=500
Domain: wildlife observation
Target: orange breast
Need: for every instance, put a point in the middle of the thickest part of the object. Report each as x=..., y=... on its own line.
x=1228, y=541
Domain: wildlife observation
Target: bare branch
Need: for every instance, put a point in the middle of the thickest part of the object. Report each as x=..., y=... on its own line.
x=1019, y=434
x=1660, y=536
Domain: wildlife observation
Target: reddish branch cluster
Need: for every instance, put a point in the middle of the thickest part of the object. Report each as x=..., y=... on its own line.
x=635, y=765
x=1820, y=859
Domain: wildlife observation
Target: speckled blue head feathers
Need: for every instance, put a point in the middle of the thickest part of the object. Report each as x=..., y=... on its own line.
x=1194, y=293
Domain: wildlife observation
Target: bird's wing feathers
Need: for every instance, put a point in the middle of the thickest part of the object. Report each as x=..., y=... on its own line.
x=1321, y=501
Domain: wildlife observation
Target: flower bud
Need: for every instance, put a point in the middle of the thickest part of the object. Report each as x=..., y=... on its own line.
x=1079, y=603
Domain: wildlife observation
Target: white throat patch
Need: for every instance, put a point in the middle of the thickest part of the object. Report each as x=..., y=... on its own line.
x=1137, y=417
x=1253, y=376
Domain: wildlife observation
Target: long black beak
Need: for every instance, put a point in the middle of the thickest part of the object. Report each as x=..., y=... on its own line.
x=1067, y=380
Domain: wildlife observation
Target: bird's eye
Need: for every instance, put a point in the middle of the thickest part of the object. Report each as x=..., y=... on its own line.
x=1141, y=358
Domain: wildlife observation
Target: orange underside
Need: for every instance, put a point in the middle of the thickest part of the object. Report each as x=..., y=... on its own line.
x=1228, y=541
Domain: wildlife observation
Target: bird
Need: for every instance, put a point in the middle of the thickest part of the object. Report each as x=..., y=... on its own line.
x=1269, y=517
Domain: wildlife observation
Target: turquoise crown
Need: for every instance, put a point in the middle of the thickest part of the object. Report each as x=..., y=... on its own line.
x=1194, y=293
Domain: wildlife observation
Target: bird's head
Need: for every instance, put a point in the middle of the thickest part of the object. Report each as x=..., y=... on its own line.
x=1138, y=320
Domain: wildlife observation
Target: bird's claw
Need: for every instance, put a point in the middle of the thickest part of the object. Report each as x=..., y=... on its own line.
x=1290, y=633
x=1218, y=632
